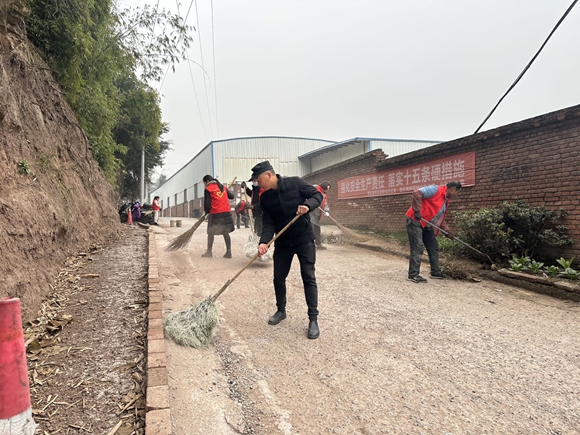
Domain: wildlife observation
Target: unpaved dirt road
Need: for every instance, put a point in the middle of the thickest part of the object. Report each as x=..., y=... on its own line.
x=393, y=357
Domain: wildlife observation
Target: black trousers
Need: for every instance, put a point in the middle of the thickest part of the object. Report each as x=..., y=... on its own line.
x=306, y=254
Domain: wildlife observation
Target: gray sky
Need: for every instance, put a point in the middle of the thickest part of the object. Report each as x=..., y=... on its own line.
x=336, y=69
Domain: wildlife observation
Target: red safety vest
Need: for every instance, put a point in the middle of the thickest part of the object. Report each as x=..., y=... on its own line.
x=220, y=202
x=431, y=206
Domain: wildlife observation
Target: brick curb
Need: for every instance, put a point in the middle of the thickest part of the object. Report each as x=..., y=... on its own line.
x=158, y=416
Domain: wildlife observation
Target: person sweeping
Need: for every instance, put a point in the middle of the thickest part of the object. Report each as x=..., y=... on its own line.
x=282, y=200
x=216, y=203
x=428, y=210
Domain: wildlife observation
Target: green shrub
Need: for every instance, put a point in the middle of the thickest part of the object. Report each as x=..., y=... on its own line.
x=566, y=264
x=536, y=266
x=529, y=225
x=483, y=229
x=553, y=270
x=519, y=264
x=514, y=228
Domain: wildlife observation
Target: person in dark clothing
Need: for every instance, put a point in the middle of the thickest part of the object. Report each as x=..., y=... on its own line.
x=284, y=198
x=217, y=205
x=255, y=193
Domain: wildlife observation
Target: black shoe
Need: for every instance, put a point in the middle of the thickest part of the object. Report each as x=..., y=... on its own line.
x=439, y=275
x=228, y=254
x=313, y=331
x=417, y=279
x=277, y=317
x=206, y=254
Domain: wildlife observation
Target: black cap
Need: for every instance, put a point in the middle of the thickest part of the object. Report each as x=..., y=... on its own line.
x=260, y=168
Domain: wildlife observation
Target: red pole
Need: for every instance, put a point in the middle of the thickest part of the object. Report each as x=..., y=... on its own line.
x=14, y=387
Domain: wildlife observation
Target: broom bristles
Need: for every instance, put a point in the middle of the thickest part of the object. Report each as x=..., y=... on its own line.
x=193, y=327
x=182, y=240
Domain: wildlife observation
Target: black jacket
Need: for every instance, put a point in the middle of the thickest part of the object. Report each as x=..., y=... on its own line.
x=279, y=207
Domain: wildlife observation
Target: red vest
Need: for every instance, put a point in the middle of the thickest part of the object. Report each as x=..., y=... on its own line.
x=220, y=202
x=431, y=206
x=241, y=206
x=156, y=206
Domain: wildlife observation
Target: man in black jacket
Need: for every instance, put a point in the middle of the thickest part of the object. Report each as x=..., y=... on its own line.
x=284, y=198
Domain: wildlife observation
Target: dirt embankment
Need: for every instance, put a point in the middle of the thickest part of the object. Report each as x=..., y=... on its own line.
x=54, y=200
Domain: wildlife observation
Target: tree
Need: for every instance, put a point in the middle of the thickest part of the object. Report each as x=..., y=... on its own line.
x=139, y=128
x=95, y=52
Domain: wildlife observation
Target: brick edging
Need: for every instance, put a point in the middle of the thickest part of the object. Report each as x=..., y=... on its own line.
x=157, y=417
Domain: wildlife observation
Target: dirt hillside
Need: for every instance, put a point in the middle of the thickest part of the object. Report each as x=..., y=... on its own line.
x=54, y=200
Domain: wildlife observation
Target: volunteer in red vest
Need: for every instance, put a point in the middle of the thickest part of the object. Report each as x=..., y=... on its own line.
x=216, y=203
x=242, y=213
x=156, y=207
x=317, y=215
x=430, y=204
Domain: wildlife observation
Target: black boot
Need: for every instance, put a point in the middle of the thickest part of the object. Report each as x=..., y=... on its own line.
x=277, y=317
x=313, y=331
x=206, y=254
x=228, y=254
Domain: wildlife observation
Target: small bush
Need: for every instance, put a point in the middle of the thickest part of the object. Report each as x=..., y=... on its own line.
x=484, y=230
x=514, y=228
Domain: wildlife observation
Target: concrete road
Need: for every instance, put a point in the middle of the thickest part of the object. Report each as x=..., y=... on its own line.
x=393, y=357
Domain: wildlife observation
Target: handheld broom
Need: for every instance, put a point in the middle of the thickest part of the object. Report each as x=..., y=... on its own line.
x=459, y=240
x=193, y=327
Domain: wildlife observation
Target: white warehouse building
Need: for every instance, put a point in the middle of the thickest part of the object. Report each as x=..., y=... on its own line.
x=182, y=194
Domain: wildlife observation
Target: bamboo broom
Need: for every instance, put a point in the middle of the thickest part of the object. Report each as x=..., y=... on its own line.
x=193, y=327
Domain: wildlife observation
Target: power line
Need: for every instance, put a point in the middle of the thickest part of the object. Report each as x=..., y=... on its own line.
x=196, y=99
x=527, y=66
x=203, y=66
x=214, y=75
x=184, y=21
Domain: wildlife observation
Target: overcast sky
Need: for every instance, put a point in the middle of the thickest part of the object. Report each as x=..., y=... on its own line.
x=337, y=69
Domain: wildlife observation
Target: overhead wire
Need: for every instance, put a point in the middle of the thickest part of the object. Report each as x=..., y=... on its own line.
x=214, y=75
x=527, y=66
x=191, y=76
x=203, y=66
x=184, y=21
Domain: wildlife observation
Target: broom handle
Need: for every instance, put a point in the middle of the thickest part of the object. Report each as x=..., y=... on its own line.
x=459, y=240
x=342, y=227
x=229, y=281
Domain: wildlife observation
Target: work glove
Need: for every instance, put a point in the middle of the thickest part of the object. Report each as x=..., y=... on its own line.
x=243, y=184
x=418, y=216
x=326, y=214
x=449, y=235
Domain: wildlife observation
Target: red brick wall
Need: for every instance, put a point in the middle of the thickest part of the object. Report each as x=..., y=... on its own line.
x=537, y=160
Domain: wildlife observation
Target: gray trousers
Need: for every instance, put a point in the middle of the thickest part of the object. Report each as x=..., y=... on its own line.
x=420, y=237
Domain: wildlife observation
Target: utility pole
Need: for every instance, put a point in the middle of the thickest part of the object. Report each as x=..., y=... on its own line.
x=143, y=175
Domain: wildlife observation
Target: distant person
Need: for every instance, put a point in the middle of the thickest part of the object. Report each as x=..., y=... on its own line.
x=156, y=207
x=284, y=198
x=254, y=194
x=217, y=205
x=317, y=215
x=136, y=211
x=242, y=214
x=430, y=204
